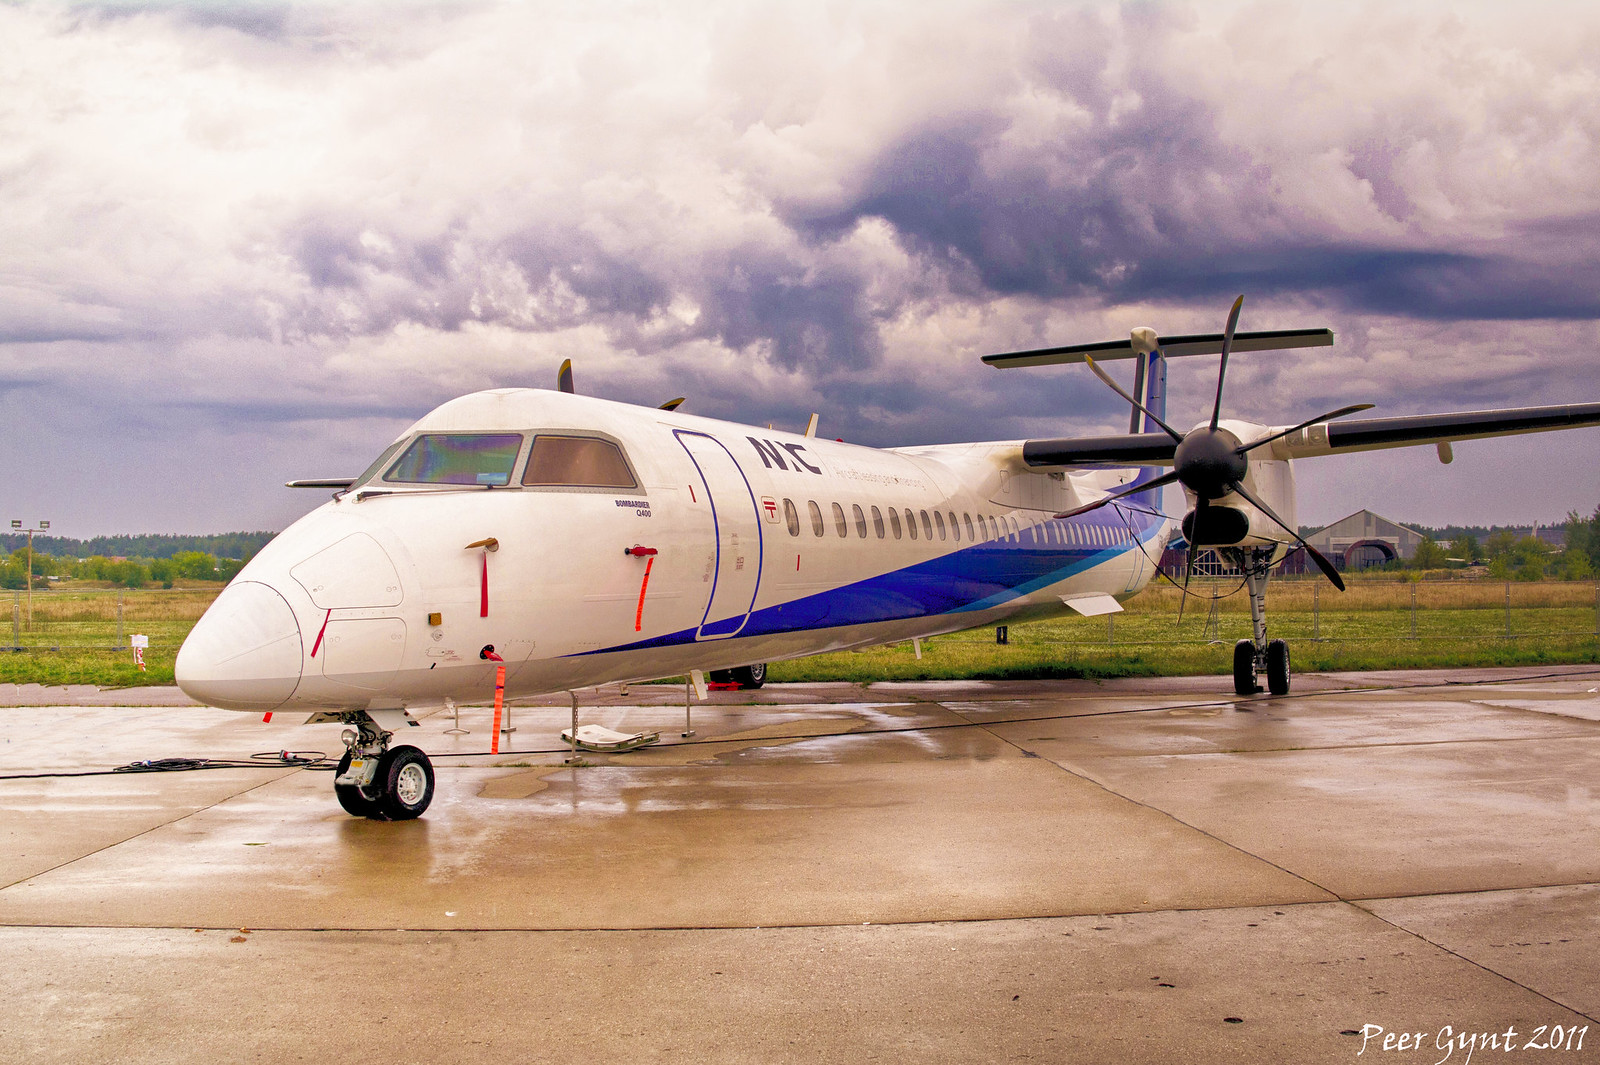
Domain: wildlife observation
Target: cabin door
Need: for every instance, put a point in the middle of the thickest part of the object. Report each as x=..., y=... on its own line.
x=733, y=549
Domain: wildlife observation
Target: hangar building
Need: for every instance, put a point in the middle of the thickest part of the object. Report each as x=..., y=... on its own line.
x=1364, y=539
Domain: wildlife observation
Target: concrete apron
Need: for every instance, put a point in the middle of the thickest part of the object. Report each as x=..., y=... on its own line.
x=1072, y=871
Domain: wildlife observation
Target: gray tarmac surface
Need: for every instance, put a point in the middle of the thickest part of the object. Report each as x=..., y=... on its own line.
x=1058, y=871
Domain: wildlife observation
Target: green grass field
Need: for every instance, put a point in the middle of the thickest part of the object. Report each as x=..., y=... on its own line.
x=1373, y=625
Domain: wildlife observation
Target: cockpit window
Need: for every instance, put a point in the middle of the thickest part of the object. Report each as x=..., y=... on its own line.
x=382, y=464
x=458, y=458
x=577, y=461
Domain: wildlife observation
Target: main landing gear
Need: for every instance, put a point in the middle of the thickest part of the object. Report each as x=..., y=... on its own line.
x=1260, y=655
x=378, y=781
x=746, y=677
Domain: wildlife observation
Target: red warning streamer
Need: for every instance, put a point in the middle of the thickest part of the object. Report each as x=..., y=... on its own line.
x=638, y=615
x=320, y=631
x=483, y=599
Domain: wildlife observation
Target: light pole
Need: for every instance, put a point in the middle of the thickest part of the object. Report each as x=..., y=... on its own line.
x=16, y=523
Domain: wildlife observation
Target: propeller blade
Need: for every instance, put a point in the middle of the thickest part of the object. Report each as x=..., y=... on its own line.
x=1222, y=370
x=1160, y=482
x=1137, y=405
x=1328, y=417
x=1188, y=562
x=1316, y=556
x=672, y=404
x=564, y=377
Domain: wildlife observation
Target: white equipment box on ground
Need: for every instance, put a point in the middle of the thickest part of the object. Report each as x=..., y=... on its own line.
x=600, y=738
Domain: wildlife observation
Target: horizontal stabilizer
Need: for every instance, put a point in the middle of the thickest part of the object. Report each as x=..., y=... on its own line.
x=1171, y=346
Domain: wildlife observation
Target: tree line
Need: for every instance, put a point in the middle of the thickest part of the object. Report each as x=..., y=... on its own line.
x=114, y=559
x=1513, y=557
x=240, y=545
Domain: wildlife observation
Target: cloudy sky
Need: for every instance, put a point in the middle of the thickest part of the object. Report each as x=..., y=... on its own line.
x=244, y=242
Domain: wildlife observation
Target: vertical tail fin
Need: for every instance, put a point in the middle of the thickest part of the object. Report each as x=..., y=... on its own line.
x=1150, y=389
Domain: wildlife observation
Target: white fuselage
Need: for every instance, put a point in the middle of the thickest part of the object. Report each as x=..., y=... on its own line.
x=733, y=545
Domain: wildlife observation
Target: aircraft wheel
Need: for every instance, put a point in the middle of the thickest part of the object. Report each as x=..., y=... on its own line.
x=1278, y=667
x=405, y=777
x=352, y=798
x=1244, y=668
x=749, y=677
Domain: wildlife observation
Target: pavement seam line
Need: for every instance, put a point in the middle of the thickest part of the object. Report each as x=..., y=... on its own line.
x=143, y=832
x=1482, y=967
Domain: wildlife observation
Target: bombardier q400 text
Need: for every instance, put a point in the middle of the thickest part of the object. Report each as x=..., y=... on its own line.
x=583, y=542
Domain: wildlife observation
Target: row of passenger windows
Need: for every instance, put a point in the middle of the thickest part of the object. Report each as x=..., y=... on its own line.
x=944, y=525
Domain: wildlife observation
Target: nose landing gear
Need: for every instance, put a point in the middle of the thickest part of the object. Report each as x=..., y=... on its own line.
x=378, y=781
x=1260, y=655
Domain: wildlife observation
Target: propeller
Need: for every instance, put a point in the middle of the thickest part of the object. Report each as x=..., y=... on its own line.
x=1212, y=462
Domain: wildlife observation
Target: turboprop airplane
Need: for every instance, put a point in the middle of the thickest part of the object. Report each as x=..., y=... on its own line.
x=575, y=541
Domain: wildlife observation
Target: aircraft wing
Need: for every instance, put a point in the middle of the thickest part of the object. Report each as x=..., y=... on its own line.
x=1323, y=438
x=1370, y=434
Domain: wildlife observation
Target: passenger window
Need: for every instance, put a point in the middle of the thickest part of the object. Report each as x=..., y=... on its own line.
x=877, y=522
x=927, y=526
x=955, y=529
x=840, y=526
x=894, y=522
x=577, y=461
x=911, y=524
x=967, y=520
x=861, y=520
x=938, y=520
x=457, y=458
x=994, y=530
x=791, y=517
x=816, y=517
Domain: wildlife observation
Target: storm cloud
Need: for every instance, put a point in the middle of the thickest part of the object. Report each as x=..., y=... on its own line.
x=273, y=234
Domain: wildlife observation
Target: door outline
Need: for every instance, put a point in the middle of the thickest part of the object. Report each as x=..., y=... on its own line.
x=716, y=531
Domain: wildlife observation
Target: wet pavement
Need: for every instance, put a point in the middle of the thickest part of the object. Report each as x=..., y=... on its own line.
x=1138, y=870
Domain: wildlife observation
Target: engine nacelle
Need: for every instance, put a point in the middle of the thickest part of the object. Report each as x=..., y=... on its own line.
x=1222, y=527
x=1231, y=521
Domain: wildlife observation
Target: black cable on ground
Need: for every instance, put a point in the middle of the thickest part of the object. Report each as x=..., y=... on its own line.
x=263, y=760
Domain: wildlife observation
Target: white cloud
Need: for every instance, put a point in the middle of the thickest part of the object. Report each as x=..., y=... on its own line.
x=297, y=212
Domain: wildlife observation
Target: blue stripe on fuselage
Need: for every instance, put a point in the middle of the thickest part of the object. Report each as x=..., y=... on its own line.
x=973, y=578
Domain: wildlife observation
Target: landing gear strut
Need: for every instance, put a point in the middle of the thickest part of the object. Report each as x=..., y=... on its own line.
x=378, y=781
x=1258, y=655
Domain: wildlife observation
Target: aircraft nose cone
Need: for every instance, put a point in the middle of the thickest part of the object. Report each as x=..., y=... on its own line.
x=245, y=651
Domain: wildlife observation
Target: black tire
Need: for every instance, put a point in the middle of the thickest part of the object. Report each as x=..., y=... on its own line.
x=406, y=778
x=1278, y=667
x=1244, y=668
x=355, y=800
x=720, y=676
x=750, y=677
